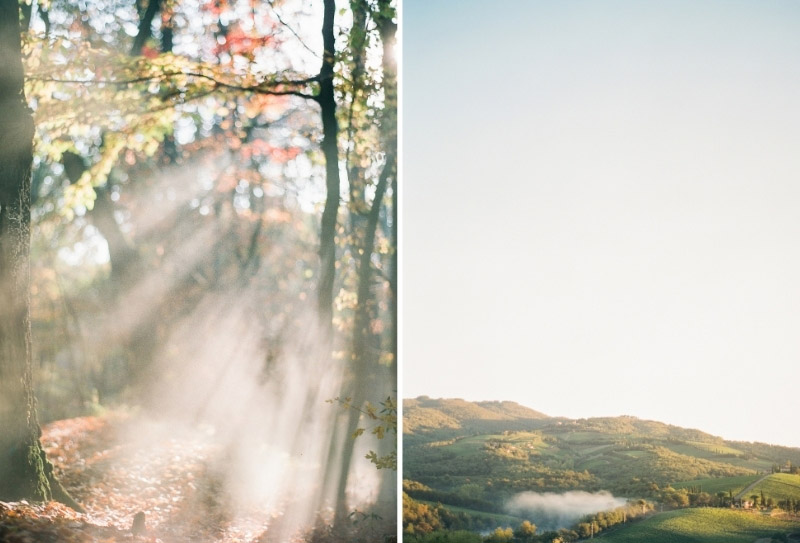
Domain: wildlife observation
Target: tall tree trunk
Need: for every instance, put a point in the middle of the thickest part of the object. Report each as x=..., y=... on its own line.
x=361, y=348
x=145, y=27
x=121, y=253
x=167, y=38
x=24, y=470
x=356, y=178
x=364, y=351
x=22, y=473
x=387, y=29
x=330, y=148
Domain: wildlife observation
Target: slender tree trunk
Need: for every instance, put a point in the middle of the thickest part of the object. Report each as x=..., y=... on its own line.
x=145, y=27
x=363, y=349
x=357, y=205
x=387, y=29
x=361, y=358
x=330, y=148
x=167, y=35
x=24, y=470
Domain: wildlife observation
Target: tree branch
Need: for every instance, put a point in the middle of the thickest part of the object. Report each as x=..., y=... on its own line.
x=258, y=89
x=290, y=29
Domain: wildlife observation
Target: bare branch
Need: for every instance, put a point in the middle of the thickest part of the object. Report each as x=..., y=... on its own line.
x=260, y=88
x=290, y=29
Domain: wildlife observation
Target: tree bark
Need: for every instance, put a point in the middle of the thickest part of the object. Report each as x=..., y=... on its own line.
x=364, y=351
x=330, y=148
x=356, y=178
x=24, y=470
x=361, y=357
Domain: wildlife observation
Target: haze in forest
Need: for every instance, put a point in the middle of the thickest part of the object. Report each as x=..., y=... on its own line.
x=198, y=267
x=605, y=209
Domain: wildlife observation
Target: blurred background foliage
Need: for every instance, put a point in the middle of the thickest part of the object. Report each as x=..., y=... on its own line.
x=178, y=156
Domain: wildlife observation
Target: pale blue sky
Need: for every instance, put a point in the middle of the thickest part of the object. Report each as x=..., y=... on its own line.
x=602, y=209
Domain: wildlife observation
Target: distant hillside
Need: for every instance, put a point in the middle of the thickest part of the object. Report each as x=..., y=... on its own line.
x=472, y=457
x=425, y=414
x=499, y=448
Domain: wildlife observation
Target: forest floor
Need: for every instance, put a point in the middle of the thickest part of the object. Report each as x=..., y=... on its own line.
x=167, y=480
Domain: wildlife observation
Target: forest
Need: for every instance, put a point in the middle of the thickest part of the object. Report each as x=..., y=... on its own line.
x=198, y=270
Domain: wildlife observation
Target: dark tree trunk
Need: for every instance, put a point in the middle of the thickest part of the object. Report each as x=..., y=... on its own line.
x=121, y=253
x=356, y=180
x=167, y=36
x=363, y=347
x=145, y=27
x=24, y=471
x=388, y=31
x=330, y=148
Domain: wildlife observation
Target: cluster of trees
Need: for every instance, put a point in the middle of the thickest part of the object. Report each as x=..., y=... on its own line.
x=469, y=495
x=499, y=468
x=423, y=518
x=420, y=518
x=524, y=533
x=603, y=520
x=428, y=523
x=692, y=496
x=588, y=527
x=791, y=505
x=181, y=149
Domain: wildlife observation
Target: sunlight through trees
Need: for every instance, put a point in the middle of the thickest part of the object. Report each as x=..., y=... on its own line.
x=213, y=245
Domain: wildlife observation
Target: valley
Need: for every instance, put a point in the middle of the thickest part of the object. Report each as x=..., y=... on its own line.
x=466, y=461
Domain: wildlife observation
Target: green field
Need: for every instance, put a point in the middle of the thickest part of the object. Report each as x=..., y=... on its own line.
x=758, y=464
x=715, y=448
x=703, y=525
x=779, y=486
x=635, y=453
x=720, y=484
x=468, y=445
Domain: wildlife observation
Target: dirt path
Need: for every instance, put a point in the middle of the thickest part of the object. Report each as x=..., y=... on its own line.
x=170, y=481
x=750, y=487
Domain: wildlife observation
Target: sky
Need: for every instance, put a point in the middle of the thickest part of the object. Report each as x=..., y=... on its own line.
x=601, y=209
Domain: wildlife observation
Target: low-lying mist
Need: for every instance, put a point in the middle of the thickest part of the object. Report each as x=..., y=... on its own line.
x=550, y=511
x=209, y=345
x=274, y=432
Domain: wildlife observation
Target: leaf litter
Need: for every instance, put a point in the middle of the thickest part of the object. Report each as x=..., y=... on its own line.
x=166, y=491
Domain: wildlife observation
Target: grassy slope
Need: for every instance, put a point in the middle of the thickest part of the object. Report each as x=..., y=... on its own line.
x=779, y=486
x=703, y=525
x=720, y=484
x=505, y=448
x=614, y=449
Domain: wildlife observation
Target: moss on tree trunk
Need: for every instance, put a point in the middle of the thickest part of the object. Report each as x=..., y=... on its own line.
x=24, y=470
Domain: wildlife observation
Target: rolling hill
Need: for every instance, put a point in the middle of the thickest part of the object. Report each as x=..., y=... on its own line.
x=707, y=525
x=424, y=414
x=478, y=455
